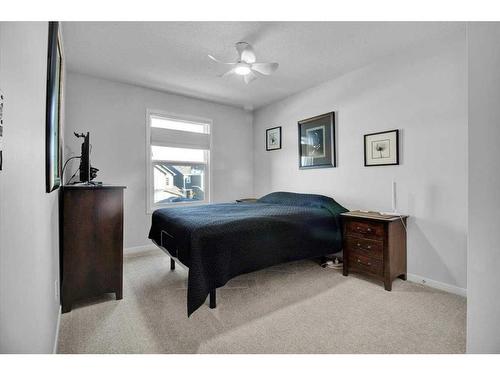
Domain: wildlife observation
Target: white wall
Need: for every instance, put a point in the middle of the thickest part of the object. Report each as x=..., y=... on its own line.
x=483, y=303
x=115, y=115
x=422, y=92
x=29, y=252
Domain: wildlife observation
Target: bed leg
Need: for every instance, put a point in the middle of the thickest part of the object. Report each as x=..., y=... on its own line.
x=213, y=304
x=172, y=264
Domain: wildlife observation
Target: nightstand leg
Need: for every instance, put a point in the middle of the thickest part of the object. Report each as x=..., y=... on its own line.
x=172, y=264
x=345, y=272
x=388, y=284
x=403, y=276
x=119, y=294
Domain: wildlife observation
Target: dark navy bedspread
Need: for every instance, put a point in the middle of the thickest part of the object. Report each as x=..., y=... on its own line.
x=220, y=241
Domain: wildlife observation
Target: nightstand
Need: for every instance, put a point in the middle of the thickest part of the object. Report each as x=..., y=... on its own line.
x=375, y=245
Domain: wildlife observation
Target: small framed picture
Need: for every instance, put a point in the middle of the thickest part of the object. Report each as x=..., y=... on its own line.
x=273, y=138
x=317, y=142
x=382, y=148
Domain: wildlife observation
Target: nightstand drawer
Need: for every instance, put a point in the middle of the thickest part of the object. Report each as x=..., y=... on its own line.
x=365, y=229
x=366, y=264
x=363, y=246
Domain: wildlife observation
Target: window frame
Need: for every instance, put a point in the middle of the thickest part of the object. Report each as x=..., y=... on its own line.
x=150, y=204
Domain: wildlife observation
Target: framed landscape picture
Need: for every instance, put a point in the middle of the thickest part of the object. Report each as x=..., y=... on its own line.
x=273, y=138
x=382, y=148
x=317, y=142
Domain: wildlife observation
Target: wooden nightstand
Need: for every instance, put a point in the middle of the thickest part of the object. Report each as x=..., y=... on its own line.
x=375, y=245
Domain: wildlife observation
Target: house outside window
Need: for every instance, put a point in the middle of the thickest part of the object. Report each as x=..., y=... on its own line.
x=178, y=162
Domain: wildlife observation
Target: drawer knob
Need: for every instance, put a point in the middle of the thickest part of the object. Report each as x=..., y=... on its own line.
x=369, y=247
x=359, y=244
x=369, y=229
x=368, y=264
x=358, y=228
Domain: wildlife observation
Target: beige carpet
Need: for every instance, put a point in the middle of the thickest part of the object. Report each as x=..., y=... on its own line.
x=293, y=308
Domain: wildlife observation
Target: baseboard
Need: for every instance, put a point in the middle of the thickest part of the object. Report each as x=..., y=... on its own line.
x=437, y=285
x=135, y=250
x=56, y=336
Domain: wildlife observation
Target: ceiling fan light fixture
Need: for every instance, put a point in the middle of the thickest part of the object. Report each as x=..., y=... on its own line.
x=246, y=66
x=242, y=69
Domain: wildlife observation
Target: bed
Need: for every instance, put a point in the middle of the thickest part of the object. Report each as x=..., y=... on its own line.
x=218, y=242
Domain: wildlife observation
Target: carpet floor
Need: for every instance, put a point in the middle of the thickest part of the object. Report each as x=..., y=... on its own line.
x=297, y=307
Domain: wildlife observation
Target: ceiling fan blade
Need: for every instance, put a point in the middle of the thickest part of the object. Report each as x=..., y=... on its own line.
x=228, y=73
x=249, y=77
x=220, y=62
x=265, y=68
x=245, y=52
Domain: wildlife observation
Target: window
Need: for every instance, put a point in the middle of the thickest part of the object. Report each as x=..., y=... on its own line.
x=178, y=151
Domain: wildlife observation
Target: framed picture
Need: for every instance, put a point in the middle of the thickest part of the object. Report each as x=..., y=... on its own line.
x=53, y=152
x=317, y=142
x=382, y=148
x=273, y=138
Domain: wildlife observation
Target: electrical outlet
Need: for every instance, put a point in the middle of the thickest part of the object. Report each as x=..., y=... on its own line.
x=56, y=290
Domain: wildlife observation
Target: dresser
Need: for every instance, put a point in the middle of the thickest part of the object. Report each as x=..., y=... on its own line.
x=91, y=238
x=375, y=245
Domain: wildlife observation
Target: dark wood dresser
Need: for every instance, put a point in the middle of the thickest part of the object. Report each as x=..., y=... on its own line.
x=91, y=234
x=375, y=245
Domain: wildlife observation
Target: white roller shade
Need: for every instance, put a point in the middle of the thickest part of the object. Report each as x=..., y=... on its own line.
x=177, y=138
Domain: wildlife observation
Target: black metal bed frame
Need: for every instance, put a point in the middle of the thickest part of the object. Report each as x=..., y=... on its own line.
x=212, y=296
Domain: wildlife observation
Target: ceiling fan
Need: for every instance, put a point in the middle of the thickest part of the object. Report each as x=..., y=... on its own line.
x=246, y=64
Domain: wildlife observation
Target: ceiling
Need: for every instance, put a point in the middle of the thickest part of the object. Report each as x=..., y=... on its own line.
x=172, y=56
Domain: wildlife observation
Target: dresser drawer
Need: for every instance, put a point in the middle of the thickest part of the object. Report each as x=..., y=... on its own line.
x=366, y=247
x=365, y=229
x=366, y=264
